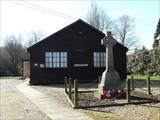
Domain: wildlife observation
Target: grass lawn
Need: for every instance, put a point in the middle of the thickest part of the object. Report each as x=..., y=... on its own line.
x=144, y=77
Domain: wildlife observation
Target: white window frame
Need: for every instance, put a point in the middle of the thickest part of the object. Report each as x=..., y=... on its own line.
x=56, y=60
x=48, y=59
x=99, y=59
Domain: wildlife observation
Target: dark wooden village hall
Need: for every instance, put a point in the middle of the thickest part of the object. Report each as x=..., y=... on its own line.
x=74, y=51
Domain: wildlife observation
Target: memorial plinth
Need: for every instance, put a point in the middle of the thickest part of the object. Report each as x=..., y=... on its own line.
x=110, y=80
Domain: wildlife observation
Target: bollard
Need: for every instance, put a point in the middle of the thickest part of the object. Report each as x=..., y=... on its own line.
x=76, y=93
x=65, y=84
x=70, y=88
x=132, y=82
x=128, y=91
x=148, y=85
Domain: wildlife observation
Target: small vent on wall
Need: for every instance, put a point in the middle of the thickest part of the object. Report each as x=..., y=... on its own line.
x=36, y=64
x=80, y=32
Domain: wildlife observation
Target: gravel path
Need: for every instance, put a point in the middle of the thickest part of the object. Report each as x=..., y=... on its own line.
x=127, y=112
x=14, y=105
x=133, y=112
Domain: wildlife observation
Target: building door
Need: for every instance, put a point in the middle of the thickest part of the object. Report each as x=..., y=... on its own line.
x=80, y=63
x=26, y=68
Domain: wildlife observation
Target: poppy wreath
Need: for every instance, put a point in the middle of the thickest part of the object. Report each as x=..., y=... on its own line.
x=114, y=93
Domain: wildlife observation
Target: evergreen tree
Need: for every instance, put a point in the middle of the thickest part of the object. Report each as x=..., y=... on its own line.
x=145, y=62
x=157, y=30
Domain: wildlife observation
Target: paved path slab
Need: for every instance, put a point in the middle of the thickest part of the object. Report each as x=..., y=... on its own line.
x=14, y=105
x=50, y=106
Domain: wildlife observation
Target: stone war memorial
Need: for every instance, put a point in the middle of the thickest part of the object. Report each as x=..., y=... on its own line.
x=111, y=85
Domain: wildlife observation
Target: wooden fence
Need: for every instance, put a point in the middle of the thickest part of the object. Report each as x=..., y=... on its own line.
x=147, y=82
x=71, y=89
x=73, y=99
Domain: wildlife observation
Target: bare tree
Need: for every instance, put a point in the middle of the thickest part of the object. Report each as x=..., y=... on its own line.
x=124, y=31
x=123, y=28
x=4, y=60
x=98, y=18
x=35, y=37
x=16, y=52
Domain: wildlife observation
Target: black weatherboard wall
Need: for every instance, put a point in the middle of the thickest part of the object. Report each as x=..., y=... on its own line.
x=79, y=40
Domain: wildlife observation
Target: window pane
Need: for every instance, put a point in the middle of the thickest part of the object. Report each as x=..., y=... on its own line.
x=65, y=54
x=58, y=59
x=97, y=58
x=98, y=64
x=50, y=59
x=46, y=60
x=65, y=59
x=46, y=65
x=98, y=54
x=62, y=59
x=49, y=54
x=54, y=59
x=102, y=56
x=54, y=54
x=94, y=54
x=54, y=65
x=57, y=54
x=61, y=54
x=50, y=65
x=62, y=65
x=46, y=54
x=58, y=65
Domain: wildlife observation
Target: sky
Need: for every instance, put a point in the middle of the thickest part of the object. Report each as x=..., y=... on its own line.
x=22, y=16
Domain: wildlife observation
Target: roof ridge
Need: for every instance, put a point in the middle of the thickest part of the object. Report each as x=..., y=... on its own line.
x=63, y=29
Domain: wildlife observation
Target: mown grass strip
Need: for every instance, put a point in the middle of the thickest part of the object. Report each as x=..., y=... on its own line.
x=144, y=77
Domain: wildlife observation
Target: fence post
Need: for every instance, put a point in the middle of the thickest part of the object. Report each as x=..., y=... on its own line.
x=132, y=82
x=65, y=84
x=76, y=93
x=70, y=87
x=148, y=85
x=128, y=91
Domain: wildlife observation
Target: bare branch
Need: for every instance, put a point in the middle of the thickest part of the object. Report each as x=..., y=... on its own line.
x=98, y=18
x=124, y=31
x=35, y=37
